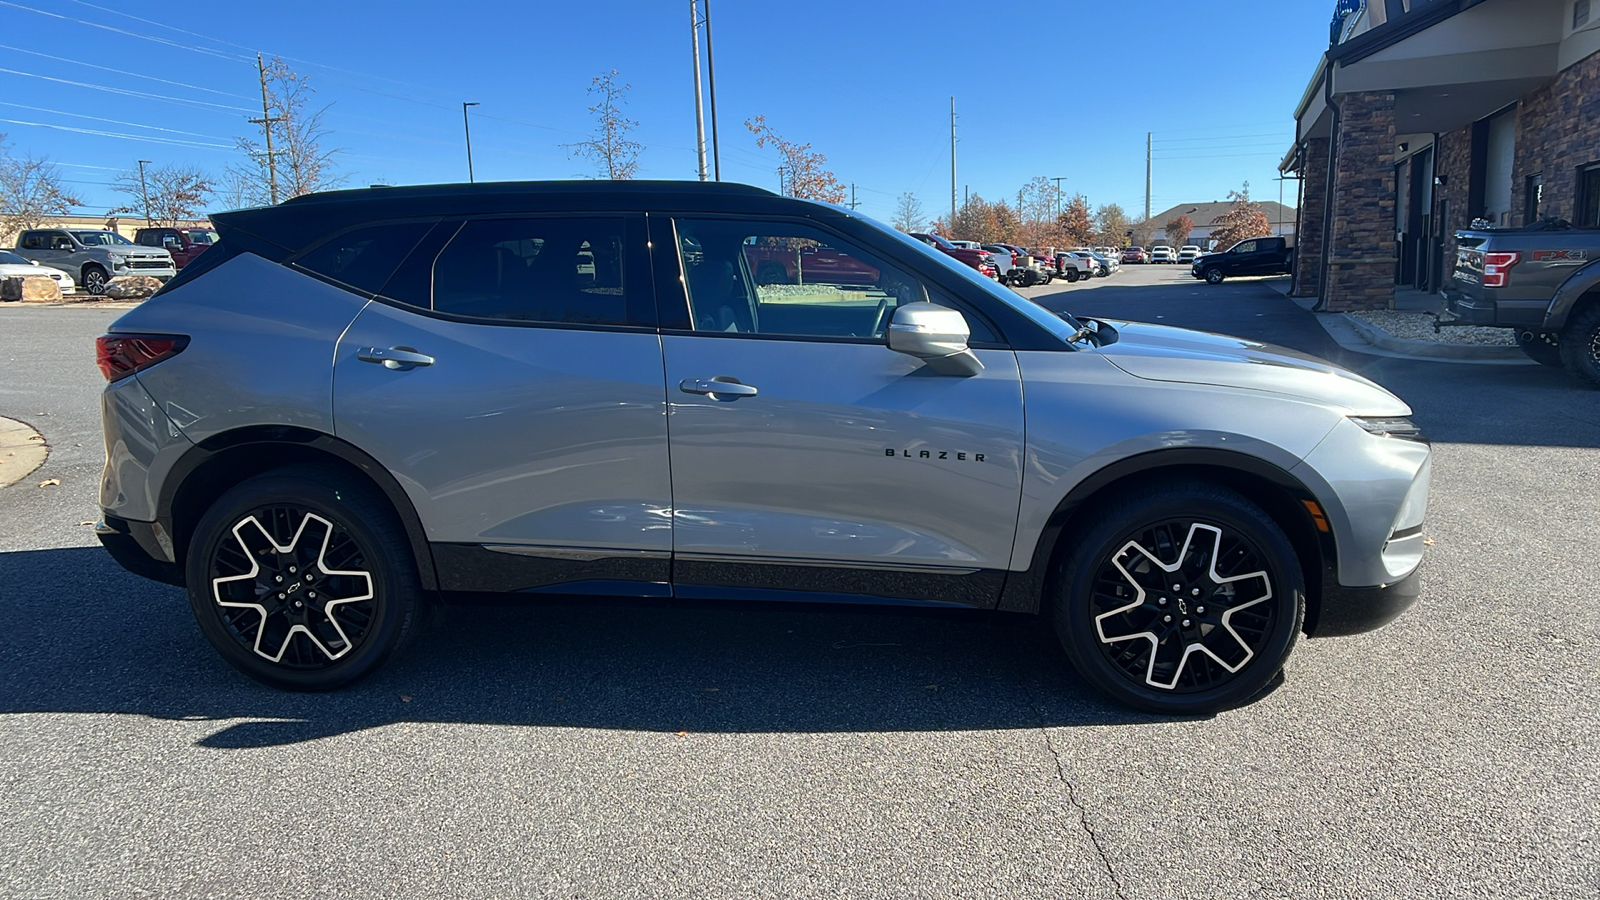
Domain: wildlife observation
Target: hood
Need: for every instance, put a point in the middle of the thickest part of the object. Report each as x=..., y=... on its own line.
x=1164, y=353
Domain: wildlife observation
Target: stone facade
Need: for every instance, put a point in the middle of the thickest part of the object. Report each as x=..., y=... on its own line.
x=1362, y=252
x=1453, y=163
x=1313, y=200
x=1558, y=131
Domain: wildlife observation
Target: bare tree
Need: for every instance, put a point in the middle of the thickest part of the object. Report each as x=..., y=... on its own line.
x=614, y=155
x=177, y=193
x=808, y=176
x=908, y=215
x=31, y=191
x=299, y=162
x=1111, y=226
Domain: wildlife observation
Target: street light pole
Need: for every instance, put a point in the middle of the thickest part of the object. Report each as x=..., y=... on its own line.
x=467, y=127
x=144, y=191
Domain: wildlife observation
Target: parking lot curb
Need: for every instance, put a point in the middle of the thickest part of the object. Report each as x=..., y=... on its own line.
x=22, y=451
x=1460, y=352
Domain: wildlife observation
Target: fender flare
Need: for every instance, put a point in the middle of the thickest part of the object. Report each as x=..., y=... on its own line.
x=264, y=436
x=1576, y=287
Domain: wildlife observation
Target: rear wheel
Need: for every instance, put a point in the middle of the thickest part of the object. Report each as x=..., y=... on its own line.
x=1580, y=345
x=302, y=580
x=1186, y=599
x=1072, y=276
x=1214, y=275
x=1543, y=349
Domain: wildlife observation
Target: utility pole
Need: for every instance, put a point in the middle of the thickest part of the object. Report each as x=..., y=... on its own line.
x=711, y=76
x=266, y=122
x=699, y=110
x=1149, y=145
x=145, y=191
x=1058, y=194
x=468, y=129
x=780, y=181
x=952, y=161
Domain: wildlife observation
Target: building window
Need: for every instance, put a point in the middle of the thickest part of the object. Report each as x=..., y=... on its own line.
x=1580, y=14
x=1588, y=197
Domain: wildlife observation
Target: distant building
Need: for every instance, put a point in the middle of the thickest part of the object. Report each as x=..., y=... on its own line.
x=1282, y=217
x=1426, y=115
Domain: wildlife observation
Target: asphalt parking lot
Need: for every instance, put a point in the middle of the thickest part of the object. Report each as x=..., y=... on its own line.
x=649, y=750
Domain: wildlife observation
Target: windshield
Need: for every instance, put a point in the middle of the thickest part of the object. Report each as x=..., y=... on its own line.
x=202, y=236
x=1061, y=326
x=100, y=238
x=7, y=258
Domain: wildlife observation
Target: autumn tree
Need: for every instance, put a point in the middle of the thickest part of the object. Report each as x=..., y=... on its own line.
x=808, y=176
x=31, y=191
x=299, y=162
x=1036, y=209
x=613, y=153
x=1178, y=230
x=1243, y=220
x=908, y=214
x=1075, y=223
x=177, y=193
x=1111, y=226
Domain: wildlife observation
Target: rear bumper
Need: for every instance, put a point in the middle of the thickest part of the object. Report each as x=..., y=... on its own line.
x=1346, y=611
x=1496, y=313
x=137, y=547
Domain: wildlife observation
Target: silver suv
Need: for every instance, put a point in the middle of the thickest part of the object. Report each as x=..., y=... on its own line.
x=361, y=402
x=93, y=258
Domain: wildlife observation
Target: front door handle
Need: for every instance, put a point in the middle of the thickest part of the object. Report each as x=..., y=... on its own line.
x=721, y=387
x=394, y=357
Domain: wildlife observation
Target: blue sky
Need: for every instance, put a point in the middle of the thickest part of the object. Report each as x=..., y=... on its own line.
x=868, y=84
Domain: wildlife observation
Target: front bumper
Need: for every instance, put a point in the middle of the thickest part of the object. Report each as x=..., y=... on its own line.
x=1346, y=611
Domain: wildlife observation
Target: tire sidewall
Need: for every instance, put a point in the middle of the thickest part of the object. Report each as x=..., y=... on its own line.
x=1072, y=615
x=1578, y=346
x=89, y=284
x=1214, y=276
x=352, y=510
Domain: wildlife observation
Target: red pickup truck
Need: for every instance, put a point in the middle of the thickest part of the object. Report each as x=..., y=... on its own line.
x=786, y=265
x=982, y=260
x=183, y=243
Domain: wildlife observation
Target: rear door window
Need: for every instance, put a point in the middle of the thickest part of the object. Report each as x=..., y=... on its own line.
x=365, y=257
x=550, y=270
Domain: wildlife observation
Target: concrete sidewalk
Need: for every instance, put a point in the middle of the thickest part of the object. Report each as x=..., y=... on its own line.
x=1360, y=336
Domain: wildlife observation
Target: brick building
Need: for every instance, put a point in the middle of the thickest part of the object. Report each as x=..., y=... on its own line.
x=1425, y=115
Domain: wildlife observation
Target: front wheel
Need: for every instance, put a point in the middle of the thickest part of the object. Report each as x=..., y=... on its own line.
x=1072, y=276
x=302, y=579
x=1540, y=348
x=94, y=279
x=1186, y=600
x=1214, y=275
x=1580, y=345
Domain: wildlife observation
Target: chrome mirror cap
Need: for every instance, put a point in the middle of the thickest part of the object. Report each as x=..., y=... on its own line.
x=936, y=335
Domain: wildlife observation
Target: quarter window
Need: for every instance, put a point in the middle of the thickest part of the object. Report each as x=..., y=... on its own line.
x=366, y=257
x=1588, y=197
x=791, y=279
x=555, y=270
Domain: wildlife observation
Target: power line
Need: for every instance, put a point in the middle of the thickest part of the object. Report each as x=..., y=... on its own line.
x=143, y=37
x=1226, y=137
x=149, y=139
x=111, y=121
x=125, y=92
x=125, y=73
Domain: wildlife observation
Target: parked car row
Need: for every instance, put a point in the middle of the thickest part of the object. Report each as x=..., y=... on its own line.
x=90, y=258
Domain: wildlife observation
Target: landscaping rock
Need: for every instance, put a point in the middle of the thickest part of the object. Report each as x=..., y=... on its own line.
x=40, y=289
x=131, y=287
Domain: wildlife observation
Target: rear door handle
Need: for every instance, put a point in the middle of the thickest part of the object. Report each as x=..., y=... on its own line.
x=394, y=357
x=720, y=387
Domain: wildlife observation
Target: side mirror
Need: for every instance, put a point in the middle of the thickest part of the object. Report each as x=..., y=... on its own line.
x=936, y=335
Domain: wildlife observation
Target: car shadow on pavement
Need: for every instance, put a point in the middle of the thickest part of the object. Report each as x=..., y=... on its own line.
x=85, y=637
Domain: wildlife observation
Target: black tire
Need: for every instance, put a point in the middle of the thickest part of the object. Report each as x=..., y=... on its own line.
x=772, y=273
x=360, y=560
x=94, y=279
x=1539, y=348
x=1580, y=345
x=1072, y=276
x=1214, y=276
x=1170, y=654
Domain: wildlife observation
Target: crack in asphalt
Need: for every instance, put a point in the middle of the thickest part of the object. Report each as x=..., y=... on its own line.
x=1083, y=813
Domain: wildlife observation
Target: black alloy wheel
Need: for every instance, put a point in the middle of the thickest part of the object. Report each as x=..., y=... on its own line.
x=1186, y=600
x=302, y=580
x=94, y=279
x=1214, y=275
x=1544, y=349
x=1580, y=345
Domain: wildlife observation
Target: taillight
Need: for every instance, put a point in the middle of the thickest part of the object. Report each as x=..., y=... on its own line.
x=1497, y=268
x=121, y=355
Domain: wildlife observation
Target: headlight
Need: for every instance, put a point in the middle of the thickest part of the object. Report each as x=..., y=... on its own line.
x=1391, y=427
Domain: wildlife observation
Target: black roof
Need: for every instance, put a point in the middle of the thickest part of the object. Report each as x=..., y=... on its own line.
x=295, y=223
